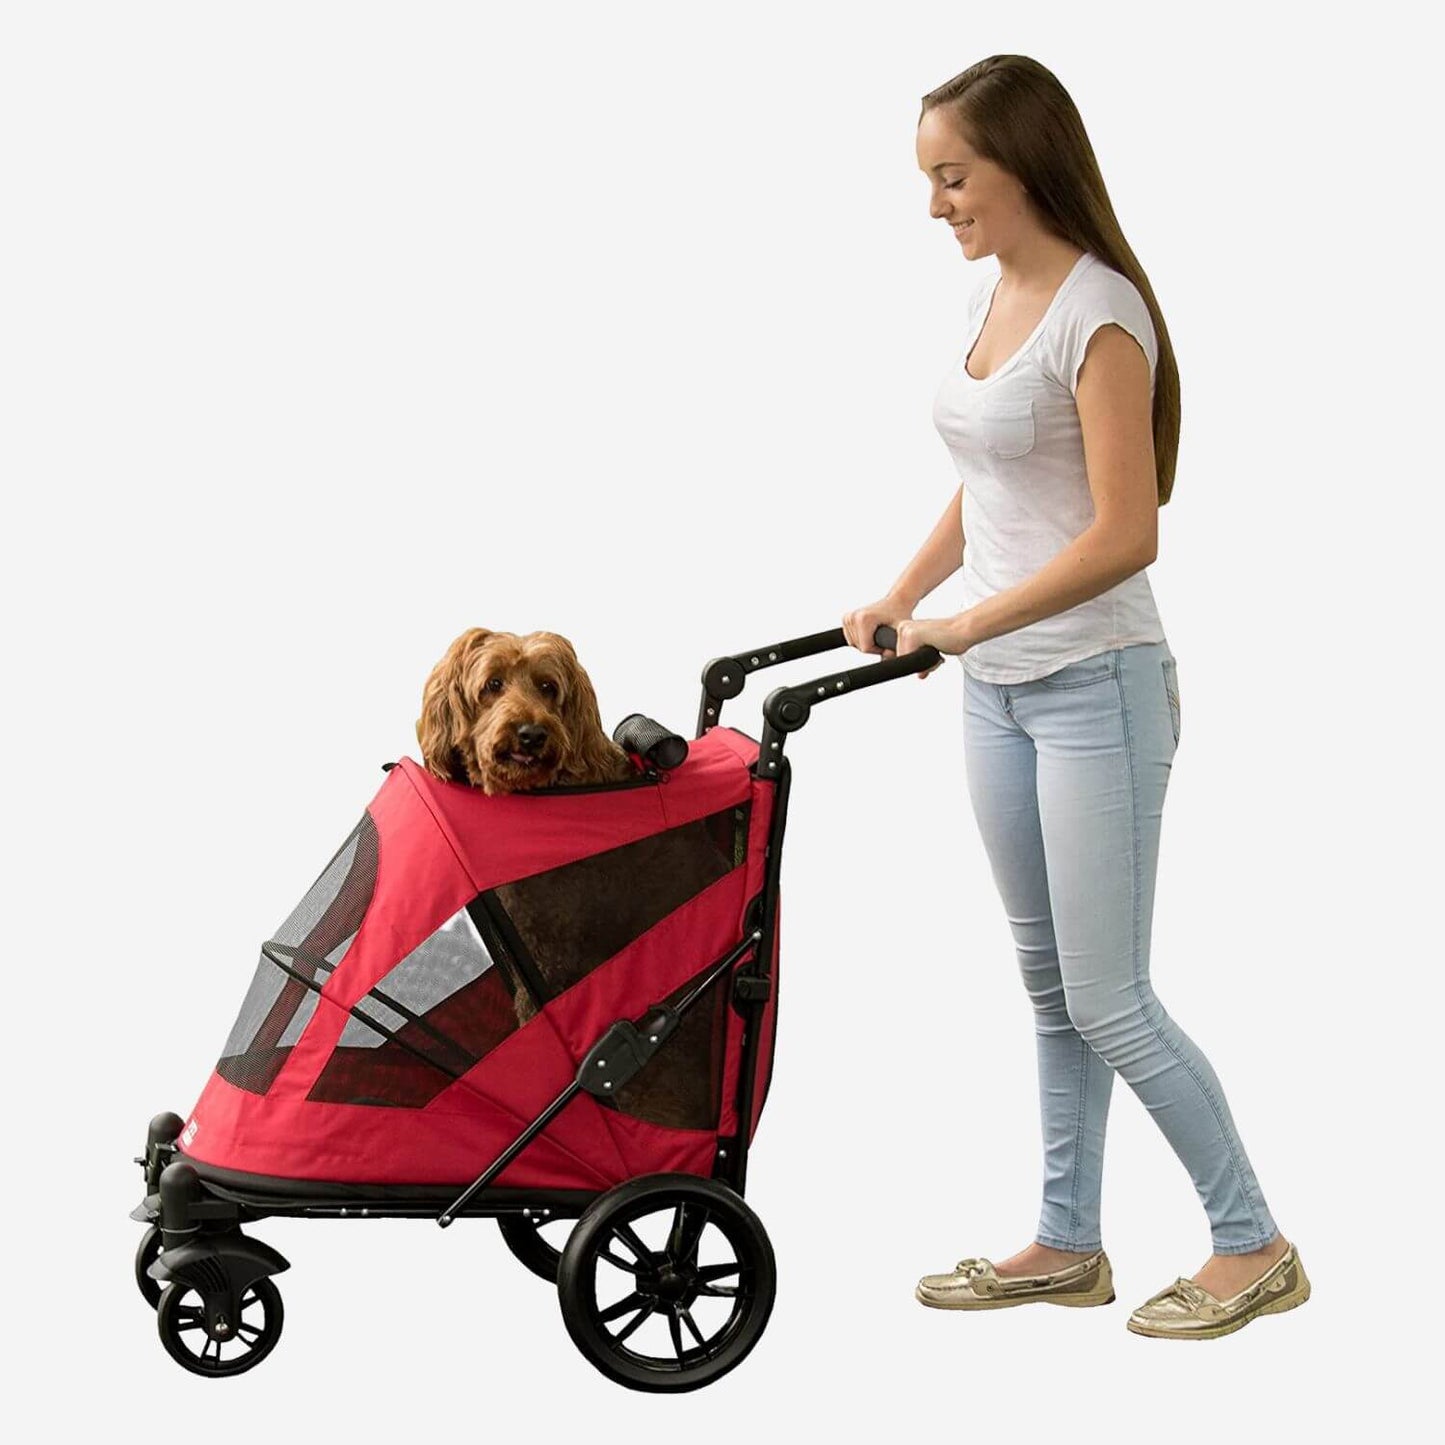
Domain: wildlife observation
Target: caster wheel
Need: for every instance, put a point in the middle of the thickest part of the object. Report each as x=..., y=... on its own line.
x=181, y=1319
x=524, y=1237
x=666, y=1282
x=145, y=1256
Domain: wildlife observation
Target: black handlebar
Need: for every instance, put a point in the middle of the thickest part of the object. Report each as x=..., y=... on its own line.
x=886, y=636
x=786, y=709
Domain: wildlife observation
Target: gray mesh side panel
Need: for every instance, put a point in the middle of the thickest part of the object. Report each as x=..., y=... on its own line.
x=266, y=988
x=302, y=1017
x=260, y=997
x=319, y=897
x=436, y=968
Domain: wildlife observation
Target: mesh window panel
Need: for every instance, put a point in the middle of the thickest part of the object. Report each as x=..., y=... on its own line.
x=573, y=918
x=681, y=1085
x=313, y=940
x=436, y=1013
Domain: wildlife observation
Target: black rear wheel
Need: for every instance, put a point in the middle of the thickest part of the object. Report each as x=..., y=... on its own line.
x=667, y=1282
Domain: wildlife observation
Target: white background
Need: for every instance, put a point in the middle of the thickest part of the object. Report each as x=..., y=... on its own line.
x=331, y=330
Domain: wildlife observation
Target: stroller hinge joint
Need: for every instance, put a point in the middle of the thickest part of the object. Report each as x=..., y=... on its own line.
x=752, y=988
x=624, y=1050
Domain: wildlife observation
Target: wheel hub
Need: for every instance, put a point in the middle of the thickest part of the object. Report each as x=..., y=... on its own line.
x=671, y=1285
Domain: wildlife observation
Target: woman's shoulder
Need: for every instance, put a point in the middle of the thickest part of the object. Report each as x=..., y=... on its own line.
x=1100, y=296
x=1099, y=283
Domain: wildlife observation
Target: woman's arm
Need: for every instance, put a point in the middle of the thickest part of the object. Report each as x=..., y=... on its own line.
x=1115, y=418
x=939, y=557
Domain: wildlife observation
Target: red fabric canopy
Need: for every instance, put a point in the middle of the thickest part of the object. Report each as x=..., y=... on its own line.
x=437, y=847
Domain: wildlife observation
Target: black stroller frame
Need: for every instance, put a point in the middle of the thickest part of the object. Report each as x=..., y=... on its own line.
x=201, y=1273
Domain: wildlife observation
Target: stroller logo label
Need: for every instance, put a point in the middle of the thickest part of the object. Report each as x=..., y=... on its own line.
x=189, y=1133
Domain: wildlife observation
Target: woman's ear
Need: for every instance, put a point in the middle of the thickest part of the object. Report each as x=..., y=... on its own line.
x=441, y=728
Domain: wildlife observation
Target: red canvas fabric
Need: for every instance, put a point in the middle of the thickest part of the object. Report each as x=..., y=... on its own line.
x=440, y=844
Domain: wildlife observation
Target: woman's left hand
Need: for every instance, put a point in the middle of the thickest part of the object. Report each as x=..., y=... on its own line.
x=950, y=635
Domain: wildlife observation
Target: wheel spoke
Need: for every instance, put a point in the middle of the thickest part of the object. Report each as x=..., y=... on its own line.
x=629, y=1236
x=691, y=1324
x=719, y=1291
x=621, y=1263
x=249, y=1330
x=687, y=1228
x=632, y=1324
x=710, y=1272
x=676, y=1329
x=622, y=1307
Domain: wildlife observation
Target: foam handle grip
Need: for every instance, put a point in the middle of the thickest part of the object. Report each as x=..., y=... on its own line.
x=659, y=745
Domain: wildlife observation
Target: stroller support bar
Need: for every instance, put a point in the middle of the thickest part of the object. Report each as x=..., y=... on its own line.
x=617, y=1056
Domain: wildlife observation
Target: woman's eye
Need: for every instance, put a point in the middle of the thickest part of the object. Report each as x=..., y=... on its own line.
x=954, y=185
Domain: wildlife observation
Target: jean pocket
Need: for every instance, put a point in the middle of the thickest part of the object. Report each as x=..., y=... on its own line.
x=1171, y=691
x=1008, y=427
x=1084, y=672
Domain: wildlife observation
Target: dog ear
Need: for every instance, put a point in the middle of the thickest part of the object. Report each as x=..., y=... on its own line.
x=441, y=728
x=592, y=753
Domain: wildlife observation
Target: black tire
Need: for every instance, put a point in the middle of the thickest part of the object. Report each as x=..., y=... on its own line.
x=667, y=1282
x=182, y=1320
x=148, y=1252
x=523, y=1234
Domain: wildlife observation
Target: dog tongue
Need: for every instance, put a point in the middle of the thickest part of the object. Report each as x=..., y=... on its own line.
x=521, y=758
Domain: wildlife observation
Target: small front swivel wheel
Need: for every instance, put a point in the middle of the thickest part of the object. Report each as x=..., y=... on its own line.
x=187, y=1335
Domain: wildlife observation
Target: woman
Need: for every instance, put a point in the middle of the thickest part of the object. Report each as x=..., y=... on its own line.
x=1062, y=417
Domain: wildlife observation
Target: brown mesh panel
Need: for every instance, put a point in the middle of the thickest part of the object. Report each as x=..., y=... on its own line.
x=680, y=1086
x=572, y=918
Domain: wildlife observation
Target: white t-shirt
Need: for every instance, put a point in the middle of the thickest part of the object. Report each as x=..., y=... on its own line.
x=1016, y=442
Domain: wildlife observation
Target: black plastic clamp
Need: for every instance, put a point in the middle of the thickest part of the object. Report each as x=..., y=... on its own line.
x=623, y=1051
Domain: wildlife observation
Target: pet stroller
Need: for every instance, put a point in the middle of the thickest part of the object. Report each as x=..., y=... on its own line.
x=553, y=1007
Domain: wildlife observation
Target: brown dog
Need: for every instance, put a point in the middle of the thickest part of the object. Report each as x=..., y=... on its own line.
x=509, y=713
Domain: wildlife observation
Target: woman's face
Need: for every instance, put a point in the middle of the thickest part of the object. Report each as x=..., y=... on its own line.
x=983, y=203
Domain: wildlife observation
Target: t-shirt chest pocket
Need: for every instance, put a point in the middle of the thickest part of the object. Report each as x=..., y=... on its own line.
x=1007, y=426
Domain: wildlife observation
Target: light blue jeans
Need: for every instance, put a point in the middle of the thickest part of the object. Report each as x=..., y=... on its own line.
x=1067, y=776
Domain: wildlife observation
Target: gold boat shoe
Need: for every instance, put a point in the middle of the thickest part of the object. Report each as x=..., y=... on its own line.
x=1187, y=1311
x=974, y=1284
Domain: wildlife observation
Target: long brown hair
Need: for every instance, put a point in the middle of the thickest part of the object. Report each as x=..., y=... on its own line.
x=1014, y=112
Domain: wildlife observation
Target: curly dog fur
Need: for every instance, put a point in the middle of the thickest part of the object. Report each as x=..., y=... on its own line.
x=508, y=713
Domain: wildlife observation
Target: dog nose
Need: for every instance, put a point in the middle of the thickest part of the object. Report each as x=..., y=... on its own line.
x=531, y=737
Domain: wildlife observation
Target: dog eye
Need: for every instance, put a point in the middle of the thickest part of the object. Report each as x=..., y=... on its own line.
x=547, y=686
x=493, y=684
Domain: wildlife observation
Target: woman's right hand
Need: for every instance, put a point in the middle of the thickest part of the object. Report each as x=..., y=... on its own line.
x=860, y=624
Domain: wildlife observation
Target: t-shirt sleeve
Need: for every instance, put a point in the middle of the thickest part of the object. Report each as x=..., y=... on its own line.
x=1110, y=298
